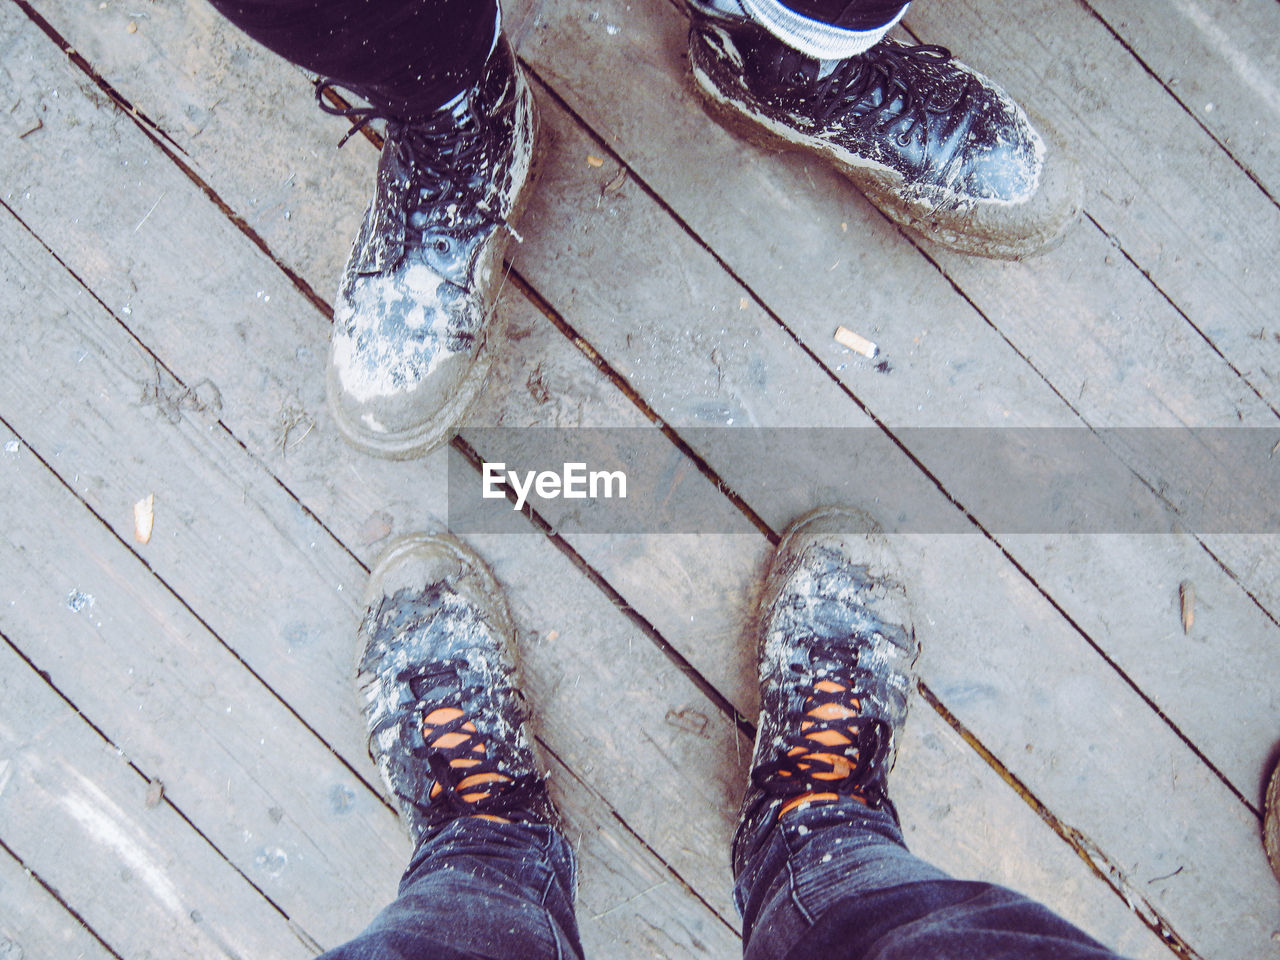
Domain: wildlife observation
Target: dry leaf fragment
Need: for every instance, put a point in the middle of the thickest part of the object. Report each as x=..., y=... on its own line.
x=594, y=161
x=1187, y=603
x=616, y=184
x=856, y=342
x=552, y=636
x=144, y=518
x=155, y=792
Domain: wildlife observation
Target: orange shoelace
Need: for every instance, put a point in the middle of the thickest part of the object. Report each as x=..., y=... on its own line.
x=454, y=738
x=829, y=727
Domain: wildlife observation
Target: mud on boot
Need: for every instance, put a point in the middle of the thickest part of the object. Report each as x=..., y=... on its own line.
x=437, y=685
x=935, y=145
x=413, y=318
x=836, y=649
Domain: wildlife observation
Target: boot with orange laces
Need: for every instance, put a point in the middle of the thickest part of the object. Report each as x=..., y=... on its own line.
x=437, y=684
x=821, y=868
x=836, y=649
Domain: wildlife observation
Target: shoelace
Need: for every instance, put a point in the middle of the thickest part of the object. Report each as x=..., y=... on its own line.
x=469, y=780
x=438, y=172
x=852, y=86
x=835, y=751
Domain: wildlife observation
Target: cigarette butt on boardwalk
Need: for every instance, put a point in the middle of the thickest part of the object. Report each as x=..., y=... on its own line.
x=856, y=342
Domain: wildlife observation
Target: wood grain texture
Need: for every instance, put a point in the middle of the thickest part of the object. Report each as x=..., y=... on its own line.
x=76, y=813
x=35, y=923
x=1173, y=200
x=1218, y=59
x=691, y=398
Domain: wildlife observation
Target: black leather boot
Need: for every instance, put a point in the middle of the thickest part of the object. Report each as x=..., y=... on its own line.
x=935, y=145
x=412, y=321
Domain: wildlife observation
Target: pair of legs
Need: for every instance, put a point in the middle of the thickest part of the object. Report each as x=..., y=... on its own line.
x=413, y=57
x=820, y=867
x=938, y=147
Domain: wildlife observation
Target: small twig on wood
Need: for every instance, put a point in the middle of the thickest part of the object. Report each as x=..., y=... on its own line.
x=1165, y=877
x=310, y=426
x=631, y=899
x=149, y=212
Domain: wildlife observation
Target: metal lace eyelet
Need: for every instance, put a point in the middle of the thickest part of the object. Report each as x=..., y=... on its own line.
x=904, y=139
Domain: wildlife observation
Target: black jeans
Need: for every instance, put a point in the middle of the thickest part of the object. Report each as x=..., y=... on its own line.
x=831, y=882
x=411, y=56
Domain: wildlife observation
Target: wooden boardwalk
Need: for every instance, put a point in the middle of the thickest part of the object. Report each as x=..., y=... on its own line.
x=182, y=767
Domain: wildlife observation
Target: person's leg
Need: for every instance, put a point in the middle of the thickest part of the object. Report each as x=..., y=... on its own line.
x=935, y=145
x=479, y=889
x=820, y=866
x=491, y=875
x=835, y=881
x=827, y=29
x=412, y=318
x=411, y=55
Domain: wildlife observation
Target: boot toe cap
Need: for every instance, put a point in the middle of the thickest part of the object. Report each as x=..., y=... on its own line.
x=404, y=363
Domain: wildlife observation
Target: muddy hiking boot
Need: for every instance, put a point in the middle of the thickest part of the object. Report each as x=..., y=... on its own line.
x=413, y=318
x=935, y=145
x=437, y=683
x=836, y=648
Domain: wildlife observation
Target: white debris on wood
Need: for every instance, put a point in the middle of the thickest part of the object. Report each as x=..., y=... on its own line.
x=144, y=517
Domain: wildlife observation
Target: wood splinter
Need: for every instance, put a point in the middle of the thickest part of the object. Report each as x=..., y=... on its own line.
x=856, y=342
x=1187, y=603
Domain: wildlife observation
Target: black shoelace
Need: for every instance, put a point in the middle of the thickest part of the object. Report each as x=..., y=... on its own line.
x=875, y=87
x=438, y=152
x=511, y=797
x=796, y=770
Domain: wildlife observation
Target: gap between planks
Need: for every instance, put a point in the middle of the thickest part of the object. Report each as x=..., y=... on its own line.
x=541, y=303
x=162, y=140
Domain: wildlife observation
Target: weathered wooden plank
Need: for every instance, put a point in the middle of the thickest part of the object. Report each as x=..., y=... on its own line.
x=259, y=784
x=35, y=924
x=1143, y=627
x=76, y=813
x=1177, y=379
x=643, y=910
x=1218, y=58
x=294, y=627
x=1170, y=196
